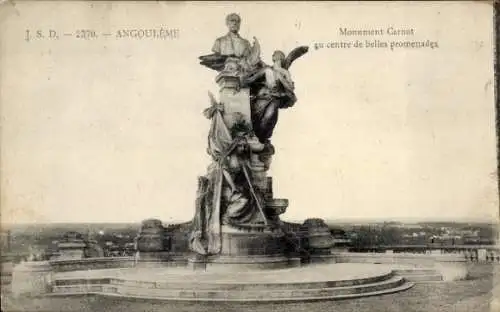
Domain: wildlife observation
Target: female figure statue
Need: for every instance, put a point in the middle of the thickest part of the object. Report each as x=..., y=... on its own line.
x=271, y=88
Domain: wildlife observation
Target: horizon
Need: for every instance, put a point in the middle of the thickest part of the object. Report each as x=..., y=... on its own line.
x=327, y=220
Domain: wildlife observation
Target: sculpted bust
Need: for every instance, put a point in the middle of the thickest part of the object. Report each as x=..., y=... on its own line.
x=232, y=44
x=232, y=53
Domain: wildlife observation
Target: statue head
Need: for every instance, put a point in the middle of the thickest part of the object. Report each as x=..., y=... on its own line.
x=278, y=57
x=233, y=22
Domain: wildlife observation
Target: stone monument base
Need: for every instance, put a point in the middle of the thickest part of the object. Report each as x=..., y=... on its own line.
x=318, y=282
x=243, y=263
x=158, y=259
x=247, y=247
x=322, y=257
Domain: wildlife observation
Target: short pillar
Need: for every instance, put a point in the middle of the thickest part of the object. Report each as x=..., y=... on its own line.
x=481, y=255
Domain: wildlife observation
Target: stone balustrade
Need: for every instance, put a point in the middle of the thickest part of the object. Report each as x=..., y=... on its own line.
x=92, y=264
x=450, y=266
x=471, y=253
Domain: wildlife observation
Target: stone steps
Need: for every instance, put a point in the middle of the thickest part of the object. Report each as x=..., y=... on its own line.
x=424, y=278
x=415, y=271
x=251, y=292
x=222, y=285
x=417, y=275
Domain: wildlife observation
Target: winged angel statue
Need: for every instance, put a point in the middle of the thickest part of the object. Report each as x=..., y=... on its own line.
x=271, y=88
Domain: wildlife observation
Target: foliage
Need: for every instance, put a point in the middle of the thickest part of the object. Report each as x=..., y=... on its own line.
x=369, y=236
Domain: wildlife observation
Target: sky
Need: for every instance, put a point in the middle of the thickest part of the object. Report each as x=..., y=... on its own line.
x=111, y=130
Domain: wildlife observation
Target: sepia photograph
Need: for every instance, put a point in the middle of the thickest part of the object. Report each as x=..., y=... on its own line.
x=249, y=156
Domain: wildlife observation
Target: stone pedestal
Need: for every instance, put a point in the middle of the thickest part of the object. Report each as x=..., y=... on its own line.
x=149, y=242
x=157, y=246
x=236, y=100
x=318, y=234
x=151, y=236
x=31, y=278
x=150, y=245
x=319, y=241
x=255, y=247
x=252, y=241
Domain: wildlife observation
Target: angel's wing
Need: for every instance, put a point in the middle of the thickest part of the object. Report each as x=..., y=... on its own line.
x=295, y=54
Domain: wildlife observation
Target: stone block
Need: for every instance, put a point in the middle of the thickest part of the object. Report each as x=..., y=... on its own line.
x=318, y=234
x=32, y=278
x=151, y=236
x=250, y=248
x=150, y=242
x=252, y=243
x=228, y=81
x=236, y=106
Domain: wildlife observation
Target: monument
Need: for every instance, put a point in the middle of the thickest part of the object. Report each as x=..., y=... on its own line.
x=236, y=220
x=237, y=217
x=236, y=224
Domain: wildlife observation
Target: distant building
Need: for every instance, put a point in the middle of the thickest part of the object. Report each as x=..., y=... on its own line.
x=6, y=241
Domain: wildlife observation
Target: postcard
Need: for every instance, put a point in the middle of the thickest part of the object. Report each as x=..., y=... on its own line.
x=306, y=151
